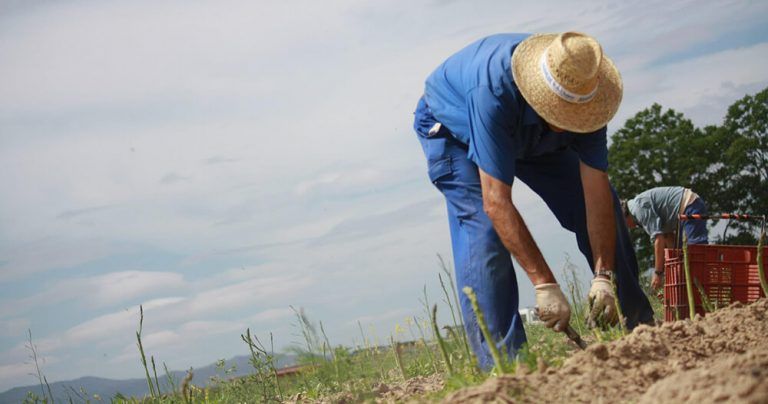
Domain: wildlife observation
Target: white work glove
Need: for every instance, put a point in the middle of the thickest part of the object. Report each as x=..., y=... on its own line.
x=602, y=302
x=552, y=307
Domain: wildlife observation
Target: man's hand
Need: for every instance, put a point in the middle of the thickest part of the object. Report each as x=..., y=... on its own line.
x=660, y=242
x=656, y=281
x=552, y=307
x=602, y=302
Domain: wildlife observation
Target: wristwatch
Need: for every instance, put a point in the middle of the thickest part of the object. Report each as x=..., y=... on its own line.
x=659, y=273
x=604, y=272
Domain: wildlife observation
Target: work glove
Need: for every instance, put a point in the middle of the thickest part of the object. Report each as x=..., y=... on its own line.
x=602, y=302
x=552, y=307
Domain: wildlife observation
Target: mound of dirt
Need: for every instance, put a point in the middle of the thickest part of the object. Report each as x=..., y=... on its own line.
x=722, y=357
x=409, y=389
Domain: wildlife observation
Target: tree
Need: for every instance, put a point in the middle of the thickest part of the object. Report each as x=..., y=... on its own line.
x=742, y=179
x=660, y=148
x=727, y=164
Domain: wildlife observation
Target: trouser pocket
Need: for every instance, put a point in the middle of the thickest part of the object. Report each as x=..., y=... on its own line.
x=453, y=175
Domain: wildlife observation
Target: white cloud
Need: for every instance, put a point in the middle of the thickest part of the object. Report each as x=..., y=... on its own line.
x=21, y=259
x=174, y=322
x=157, y=340
x=172, y=311
x=162, y=302
x=715, y=80
x=53, y=75
x=99, y=328
x=389, y=315
x=122, y=286
x=212, y=327
x=271, y=315
x=247, y=292
x=13, y=327
x=350, y=180
x=99, y=291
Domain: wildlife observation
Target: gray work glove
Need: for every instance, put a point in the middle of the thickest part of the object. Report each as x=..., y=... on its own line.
x=602, y=302
x=552, y=307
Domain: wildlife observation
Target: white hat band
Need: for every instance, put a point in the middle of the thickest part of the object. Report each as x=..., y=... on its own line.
x=561, y=91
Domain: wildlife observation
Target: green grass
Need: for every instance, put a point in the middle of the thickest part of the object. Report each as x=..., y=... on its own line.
x=334, y=372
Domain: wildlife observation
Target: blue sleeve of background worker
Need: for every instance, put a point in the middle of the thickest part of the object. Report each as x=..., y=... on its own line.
x=593, y=148
x=646, y=216
x=492, y=144
x=653, y=223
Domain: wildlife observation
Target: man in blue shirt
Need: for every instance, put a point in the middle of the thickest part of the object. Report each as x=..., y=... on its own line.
x=534, y=108
x=657, y=211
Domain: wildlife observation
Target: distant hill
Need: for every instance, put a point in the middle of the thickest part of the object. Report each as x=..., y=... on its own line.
x=107, y=388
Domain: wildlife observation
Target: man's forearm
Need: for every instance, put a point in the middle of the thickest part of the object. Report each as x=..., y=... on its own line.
x=511, y=229
x=514, y=234
x=601, y=221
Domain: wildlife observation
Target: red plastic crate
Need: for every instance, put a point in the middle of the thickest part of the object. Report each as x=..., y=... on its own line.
x=726, y=273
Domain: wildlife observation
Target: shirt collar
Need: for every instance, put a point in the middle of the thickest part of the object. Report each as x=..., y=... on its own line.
x=531, y=118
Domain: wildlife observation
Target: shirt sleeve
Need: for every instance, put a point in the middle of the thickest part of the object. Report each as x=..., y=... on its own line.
x=649, y=219
x=592, y=148
x=655, y=231
x=492, y=144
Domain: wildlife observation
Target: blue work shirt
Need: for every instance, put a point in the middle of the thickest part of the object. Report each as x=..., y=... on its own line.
x=656, y=210
x=474, y=96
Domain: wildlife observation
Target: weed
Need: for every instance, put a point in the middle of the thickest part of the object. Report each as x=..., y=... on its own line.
x=441, y=342
x=141, y=351
x=169, y=379
x=398, y=357
x=424, y=344
x=447, y=301
x=154, y=370
x=490, y=341
x=705, y=302
x=186, y=391
x=760, y=264
x=688, y=279
x=619, y=313
x=39, y=374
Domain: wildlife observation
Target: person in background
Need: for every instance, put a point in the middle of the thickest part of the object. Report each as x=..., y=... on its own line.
x=657, y=212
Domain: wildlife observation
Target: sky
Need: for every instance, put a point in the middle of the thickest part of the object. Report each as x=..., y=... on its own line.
x=222, y=162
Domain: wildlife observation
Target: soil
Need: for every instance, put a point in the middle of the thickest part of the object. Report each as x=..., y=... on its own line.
x=722, y=357
x=409, y=390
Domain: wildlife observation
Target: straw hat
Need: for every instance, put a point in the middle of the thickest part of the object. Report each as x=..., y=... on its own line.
x=567, y=80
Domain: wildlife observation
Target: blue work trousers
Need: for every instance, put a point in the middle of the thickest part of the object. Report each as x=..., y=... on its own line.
x=695, y=230
x=481, y=260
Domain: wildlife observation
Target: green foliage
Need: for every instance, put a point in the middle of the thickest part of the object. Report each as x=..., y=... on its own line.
x=545, y=348
x=263, y=362
x=652, y=150
x=727, y=165
x=743, y=175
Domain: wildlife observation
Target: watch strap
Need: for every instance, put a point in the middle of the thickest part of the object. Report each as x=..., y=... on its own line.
x=604, y=272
